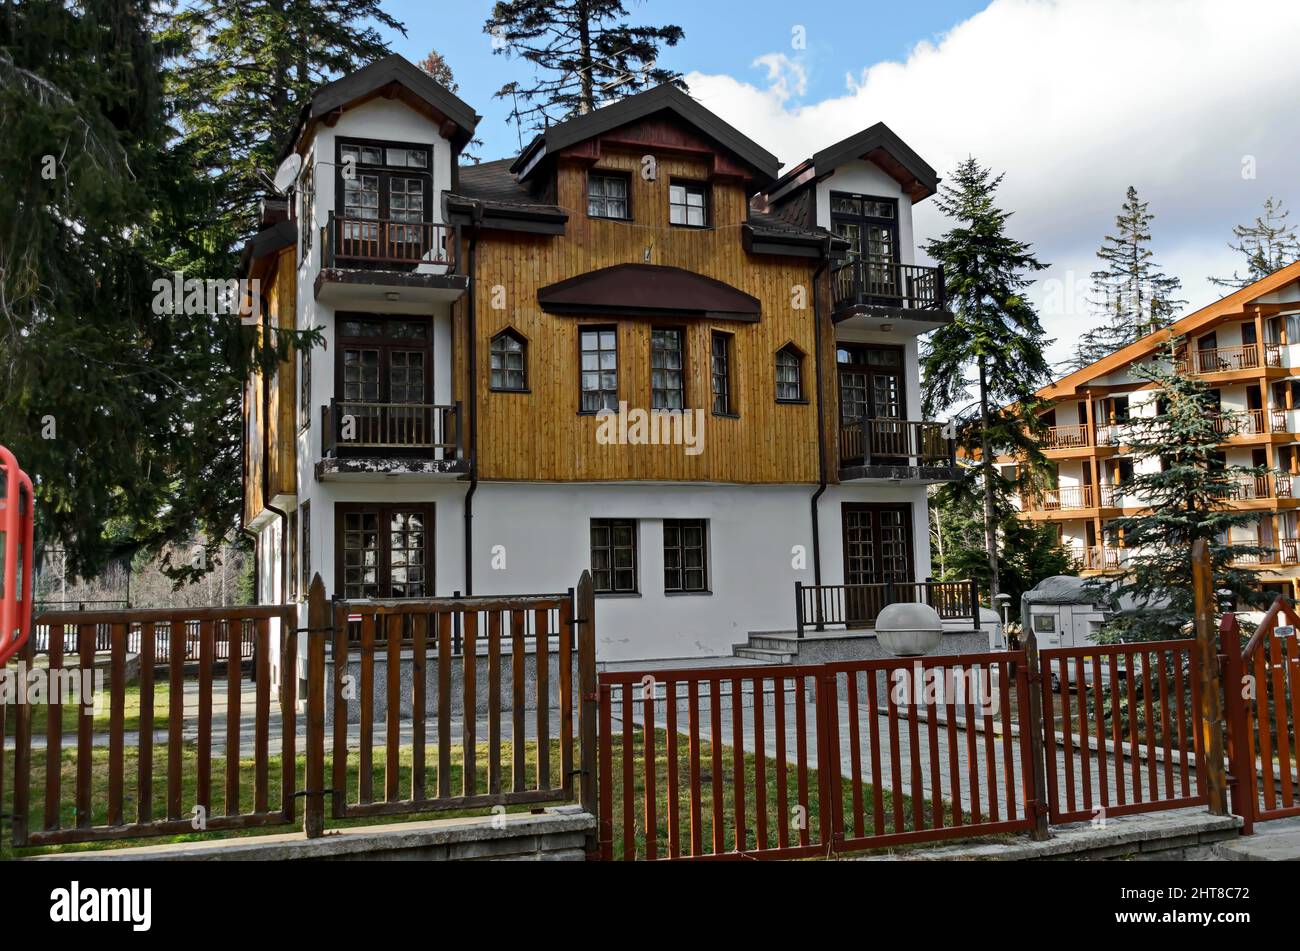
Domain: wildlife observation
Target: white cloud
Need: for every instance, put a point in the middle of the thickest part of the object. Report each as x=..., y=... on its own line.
x=1075, y=100
x=786, y=77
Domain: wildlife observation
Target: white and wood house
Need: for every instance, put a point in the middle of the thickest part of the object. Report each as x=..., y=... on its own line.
x=636, y=347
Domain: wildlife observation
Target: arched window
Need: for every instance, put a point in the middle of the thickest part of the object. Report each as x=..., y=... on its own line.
x=509, y=361
x=789, y=374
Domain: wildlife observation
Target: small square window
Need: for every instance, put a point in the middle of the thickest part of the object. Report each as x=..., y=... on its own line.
x=686, y=555
x=607, y=196
x=613, y=555
x=688, y=205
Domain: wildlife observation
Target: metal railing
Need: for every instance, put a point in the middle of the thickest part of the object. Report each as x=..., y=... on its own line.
x=866, y=442
x=857, y=605
x=371, y=241
x=864, y=282
x=408, y=427
x=1225, y=359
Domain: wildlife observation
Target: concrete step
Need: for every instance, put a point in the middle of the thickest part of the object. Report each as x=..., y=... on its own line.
x=763, y=655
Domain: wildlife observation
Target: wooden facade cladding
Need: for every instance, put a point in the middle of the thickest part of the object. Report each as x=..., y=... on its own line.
x=539, y=435
x=279, y=294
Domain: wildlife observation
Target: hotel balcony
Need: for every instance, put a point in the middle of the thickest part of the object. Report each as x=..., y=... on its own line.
x=405, y=265
x=1245, y=361
x=896, y=449
x=1071, y=498
x=1232, y=425
x=1267, y=487
x=886, y=288
x=1099, y=558
x=1287, y=552
x=390, y=439
x=1251, y=422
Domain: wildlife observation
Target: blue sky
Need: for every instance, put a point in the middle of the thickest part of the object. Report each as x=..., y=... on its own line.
x=721, y=38
x=1192, y=102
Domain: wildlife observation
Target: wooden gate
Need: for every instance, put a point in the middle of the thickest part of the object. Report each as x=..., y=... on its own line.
x=1262, y=703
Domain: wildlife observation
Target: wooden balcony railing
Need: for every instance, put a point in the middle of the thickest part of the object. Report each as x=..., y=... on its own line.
x=1070, y=497
x=371, y=242
x=1251, y=422
x=408, y=428
x=1289, y=551
x=1099, y=558
x=897, y=442
x=1270, y=485
x=1224, y=359
x=864, y=282
x=1067, y=437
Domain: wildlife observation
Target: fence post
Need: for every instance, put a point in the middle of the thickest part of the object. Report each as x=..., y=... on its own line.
x=1241, y=776
x=798, y=609
x=23, y=753
x=1210, y=715
x=585, y=619
x=975, y=602
x=318, y=620
x=1038, y=776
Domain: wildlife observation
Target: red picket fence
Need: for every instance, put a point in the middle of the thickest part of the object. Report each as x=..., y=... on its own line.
x=789, y=762
x=1124, y=724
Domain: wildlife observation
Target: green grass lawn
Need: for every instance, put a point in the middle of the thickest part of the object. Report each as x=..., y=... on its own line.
x=70, y=714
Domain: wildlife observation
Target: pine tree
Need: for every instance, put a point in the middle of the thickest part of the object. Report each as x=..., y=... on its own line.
x=995, y=332
x=436, y=65
x=1268, y=245
x=1185, y=490
x=583, y=51
x=1131, y=296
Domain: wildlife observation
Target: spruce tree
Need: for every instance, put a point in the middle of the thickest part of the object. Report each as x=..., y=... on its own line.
x=995, y=334
x=1186, y=491
x=1268, y=245
x=1131, y=297
x=583, y=52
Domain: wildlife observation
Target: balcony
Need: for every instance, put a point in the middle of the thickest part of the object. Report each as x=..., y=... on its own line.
x=1252, y=422
x=907, y=290
x=1066, y=437
x=409, y=264
x=1230, y=359
x=896, y=449
x=390, y=439
x=1100, y=558
x=1072, y=498
x=1270, y=485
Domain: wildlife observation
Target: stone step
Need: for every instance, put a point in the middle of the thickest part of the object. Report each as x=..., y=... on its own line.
x=762, y=654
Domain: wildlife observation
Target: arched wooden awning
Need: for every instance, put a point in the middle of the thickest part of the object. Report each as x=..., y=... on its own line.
x=648, y=290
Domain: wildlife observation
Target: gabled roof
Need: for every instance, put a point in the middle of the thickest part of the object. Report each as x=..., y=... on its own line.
x=1203, y=319
x=665, y=98
x=877, y=144
x=369, y=80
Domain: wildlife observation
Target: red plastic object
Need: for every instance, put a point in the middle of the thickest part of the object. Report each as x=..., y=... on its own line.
x=17, y=517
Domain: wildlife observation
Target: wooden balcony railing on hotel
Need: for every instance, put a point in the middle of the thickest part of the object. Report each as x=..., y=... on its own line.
x=863, y=282
x=1067, y=437
x=371, y=242
x=895, y=442
x=1223, y=359
x=1266, y=486
x=420, y=428
x=1252, y=422
x=1098, y=558
x=1072, y=497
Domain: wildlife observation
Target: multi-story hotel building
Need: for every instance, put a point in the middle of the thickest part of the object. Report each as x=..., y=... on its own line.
x=1246, y=347
x=482, y=321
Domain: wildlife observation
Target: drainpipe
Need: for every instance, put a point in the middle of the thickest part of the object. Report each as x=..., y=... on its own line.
x=471, y=393
x=821, y=421
x=266, y=461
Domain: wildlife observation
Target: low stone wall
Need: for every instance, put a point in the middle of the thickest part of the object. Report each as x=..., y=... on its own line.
x=559, y=834
x=431, y=694
x=864, y=645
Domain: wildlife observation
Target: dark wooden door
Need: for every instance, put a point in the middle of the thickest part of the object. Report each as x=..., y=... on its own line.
x=877, y=550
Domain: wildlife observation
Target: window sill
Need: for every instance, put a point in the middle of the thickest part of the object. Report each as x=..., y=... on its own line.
x=608, y=218
x=688, y=594
x=727, y=415
x=503, y=389
x=677, y=224
x=617, y=595
x=791, y=402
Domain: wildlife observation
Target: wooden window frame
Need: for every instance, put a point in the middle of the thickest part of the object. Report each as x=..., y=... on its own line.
x=304, y=548
x=384, y=575
x=626, y=178
x=304, y=388
x=776, y=365
x=584, y=329
x=876, y=508
x=899, y=372
x=680, y=333
x=610, y=523
x=728, y=341
x=515, y=335
x=681, y=548
x=383, y=343
x=291, y=550
x=706, y=192
x=384, y=171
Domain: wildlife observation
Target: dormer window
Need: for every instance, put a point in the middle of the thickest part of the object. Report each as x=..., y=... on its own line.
x=385, y=200
x=607, y=196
